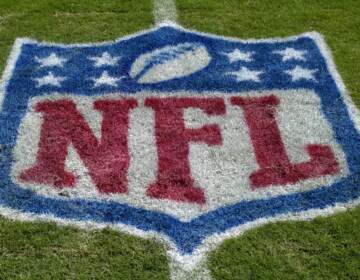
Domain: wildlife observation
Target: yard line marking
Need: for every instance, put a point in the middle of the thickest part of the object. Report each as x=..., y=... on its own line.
x=164, y=11
x=200, y=272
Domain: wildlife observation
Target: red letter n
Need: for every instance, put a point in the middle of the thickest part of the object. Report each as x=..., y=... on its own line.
x=275, y=166
x=174, y=179
x=107, y=160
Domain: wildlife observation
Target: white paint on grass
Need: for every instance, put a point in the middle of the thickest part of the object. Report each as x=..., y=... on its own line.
x=200, y=272
x=170, y=62
x=164, y=11
x=52, y=60
x=49, y=80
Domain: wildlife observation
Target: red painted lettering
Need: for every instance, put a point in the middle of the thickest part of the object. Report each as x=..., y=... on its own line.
x=174, y=179
x=271, y=156
x=107, y=160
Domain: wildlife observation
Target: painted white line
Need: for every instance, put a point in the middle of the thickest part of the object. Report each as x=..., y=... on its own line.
x=164, y=12
x=200, y=272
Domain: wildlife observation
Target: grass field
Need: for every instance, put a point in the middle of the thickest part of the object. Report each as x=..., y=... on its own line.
x=326, y=248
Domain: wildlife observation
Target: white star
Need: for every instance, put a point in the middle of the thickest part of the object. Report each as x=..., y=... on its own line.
x=52, y=60
x=105, y=79
x=105, y=59
x=245, y=74
x=237, y=55
x=299, y=73
x=49, y=79
x=290, y=53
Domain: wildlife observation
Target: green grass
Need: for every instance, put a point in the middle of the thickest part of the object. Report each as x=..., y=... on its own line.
x=326, y=248
x=45, y=251
x=70, y=21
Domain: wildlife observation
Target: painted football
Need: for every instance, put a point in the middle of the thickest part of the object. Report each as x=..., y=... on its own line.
x=170, y=62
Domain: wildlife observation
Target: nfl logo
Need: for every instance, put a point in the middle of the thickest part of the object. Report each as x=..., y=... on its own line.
x=177, y=134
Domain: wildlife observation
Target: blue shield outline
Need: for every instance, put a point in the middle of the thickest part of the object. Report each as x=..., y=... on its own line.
x=186, y=237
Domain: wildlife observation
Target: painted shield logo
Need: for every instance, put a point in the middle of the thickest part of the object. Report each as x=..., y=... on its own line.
x=177, y=134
